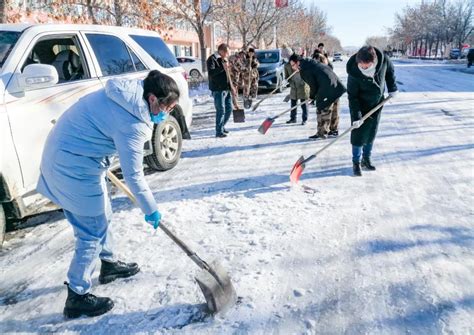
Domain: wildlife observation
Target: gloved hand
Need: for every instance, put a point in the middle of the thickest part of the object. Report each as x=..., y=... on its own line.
x=393, y=94
x=357, y=124
x=153, y=219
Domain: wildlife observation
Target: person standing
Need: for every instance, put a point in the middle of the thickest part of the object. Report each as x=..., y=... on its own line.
x=217, y=67
x=369, y=72
x=299, y=90
x=334, y=123
x=72, y=175
x=325, y=88
x=322, y=50
x=237, y=68
x=250, y=74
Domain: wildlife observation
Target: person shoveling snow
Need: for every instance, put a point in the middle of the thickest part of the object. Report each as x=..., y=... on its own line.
x=119, y=119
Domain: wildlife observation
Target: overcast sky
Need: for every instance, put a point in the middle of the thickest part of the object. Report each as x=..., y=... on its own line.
x=352, y=21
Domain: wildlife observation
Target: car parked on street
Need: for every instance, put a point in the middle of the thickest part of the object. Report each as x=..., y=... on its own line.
x=271, y=69
x=44, y=70
x=337, y=57
x=454, y=53
x=193, y=67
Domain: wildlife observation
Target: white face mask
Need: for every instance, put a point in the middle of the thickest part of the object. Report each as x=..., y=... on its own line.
x=370, y=71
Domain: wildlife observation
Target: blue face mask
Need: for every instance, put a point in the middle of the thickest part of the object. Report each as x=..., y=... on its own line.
x=158, y=118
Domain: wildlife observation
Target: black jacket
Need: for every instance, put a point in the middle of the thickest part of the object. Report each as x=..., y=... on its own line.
x=324, y=84
x=217, y=76
x=365, y=93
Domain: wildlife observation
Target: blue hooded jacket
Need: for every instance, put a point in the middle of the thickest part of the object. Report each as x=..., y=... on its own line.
x=75, y=157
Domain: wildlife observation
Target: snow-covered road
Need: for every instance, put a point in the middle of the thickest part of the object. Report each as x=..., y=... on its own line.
x=388, y=253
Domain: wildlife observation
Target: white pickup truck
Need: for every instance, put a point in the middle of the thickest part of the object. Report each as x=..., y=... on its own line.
x=45, y=69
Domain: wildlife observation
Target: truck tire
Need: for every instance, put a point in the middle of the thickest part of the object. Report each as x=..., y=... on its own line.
x=3, y=225
x=166, y=142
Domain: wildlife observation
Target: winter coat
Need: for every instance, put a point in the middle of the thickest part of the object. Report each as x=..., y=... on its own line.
x=365, y=93
x=298, y=88
x=217, y=76
x=75, y=157
x=324, y=84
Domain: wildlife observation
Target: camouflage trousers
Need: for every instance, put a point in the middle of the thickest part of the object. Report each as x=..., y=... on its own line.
x=236, y=79
x=328, y=118
x=250, y=90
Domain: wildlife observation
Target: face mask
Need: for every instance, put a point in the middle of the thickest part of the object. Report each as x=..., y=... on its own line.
x=158, y=118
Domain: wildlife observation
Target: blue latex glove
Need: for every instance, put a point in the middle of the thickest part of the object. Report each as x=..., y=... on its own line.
x=153, y=219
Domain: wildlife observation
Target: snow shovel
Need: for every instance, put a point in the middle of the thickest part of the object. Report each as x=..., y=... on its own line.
x=271, y=93
x=299, y=166
x=238, y=114
x=287, y=98
x=213, y=279
x=269, y=120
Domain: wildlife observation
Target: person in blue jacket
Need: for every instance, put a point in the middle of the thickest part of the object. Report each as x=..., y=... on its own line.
x=116, y=119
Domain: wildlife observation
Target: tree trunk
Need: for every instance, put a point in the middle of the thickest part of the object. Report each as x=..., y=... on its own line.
x=90, y=12
x=118, y=13
x=203, y=49
x=3, y=11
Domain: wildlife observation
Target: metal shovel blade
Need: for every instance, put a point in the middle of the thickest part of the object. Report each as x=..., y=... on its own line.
x=217, y=288
x=238, y=115
x=247, y=103
x=287, y=98
x=297, y=170
x=265, y=125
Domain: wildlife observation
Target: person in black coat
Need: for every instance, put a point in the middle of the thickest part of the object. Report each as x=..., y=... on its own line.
x=217, y=65
x=325, y=88
x=369, y=71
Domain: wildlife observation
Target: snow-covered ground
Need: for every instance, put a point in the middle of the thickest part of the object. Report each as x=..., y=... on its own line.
x=388, y=253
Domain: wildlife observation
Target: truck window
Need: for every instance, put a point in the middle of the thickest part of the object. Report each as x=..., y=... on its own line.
x=113, y=55
x=7, y=42
x=157, y=49
x=64, y=53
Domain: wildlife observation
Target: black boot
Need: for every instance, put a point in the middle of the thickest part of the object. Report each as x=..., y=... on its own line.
x=87, y=304
x=318, y=137
x=291, y=121
x=367, y=164
x=110, y=271
x=356, y=169
x=333, y=133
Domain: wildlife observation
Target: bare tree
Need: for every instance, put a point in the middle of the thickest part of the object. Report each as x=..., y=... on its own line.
x=3, y=11
x=433, y=27
x=195, y=12
x=380, y=42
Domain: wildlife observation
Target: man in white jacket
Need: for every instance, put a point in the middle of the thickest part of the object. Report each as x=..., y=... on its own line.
x=117, y=119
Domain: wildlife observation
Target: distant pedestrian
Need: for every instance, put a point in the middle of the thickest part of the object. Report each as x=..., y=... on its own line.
x=217, y=65
x=299, y=90
x=369, y=71
x=322, y=50
x=325, y=88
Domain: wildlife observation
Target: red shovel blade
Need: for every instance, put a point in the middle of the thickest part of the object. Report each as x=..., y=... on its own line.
x=265, y=125
x=297, y=170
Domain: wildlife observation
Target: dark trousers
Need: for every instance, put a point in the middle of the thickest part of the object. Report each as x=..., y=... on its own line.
x=303, y=108
x=223, y=105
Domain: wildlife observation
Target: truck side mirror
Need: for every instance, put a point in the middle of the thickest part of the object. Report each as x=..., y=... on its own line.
x=37, y=76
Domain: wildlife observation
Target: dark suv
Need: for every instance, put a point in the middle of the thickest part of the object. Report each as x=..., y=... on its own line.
x=271, y=69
